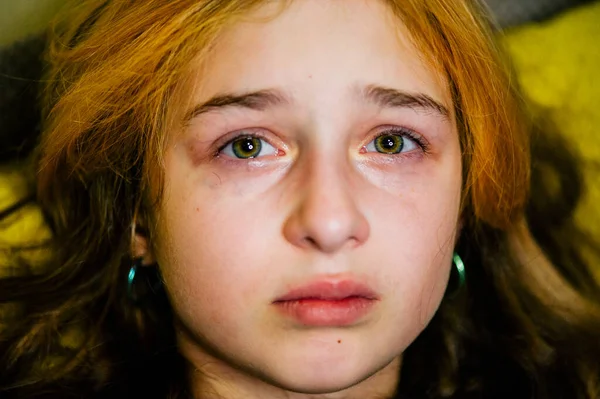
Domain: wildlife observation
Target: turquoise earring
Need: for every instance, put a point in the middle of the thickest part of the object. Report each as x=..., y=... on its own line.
x=460, y=268
x=143, y=282
x=133, y=271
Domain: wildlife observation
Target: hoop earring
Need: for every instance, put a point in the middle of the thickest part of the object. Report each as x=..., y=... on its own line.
x=460, y=268
x=143, y=282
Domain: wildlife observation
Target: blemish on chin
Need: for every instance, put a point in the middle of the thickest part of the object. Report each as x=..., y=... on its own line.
x=339, y=341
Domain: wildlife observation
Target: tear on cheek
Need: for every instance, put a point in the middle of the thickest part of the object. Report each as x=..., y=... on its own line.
x=212, y=180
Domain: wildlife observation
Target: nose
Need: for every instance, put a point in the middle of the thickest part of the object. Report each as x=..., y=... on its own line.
x=326, y=217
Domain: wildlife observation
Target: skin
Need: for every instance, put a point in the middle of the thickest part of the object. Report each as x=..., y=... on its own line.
x=319, y=202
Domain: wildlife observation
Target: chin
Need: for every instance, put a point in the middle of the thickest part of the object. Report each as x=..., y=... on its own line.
x=311, y=379
x=307, y=384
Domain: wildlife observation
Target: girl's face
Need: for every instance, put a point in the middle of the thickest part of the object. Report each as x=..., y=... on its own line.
x=311, y=202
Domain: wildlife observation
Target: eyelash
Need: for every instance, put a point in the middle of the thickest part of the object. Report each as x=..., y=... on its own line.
x=396, y=130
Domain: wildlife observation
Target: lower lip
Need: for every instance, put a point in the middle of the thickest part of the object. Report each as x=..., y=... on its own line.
x=327, y=312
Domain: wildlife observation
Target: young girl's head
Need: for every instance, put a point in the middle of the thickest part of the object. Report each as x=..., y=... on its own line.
x=302, y=175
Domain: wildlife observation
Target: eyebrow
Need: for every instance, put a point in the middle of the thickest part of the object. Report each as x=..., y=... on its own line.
x=256, y=100
x=387, y=97
x=261, y=100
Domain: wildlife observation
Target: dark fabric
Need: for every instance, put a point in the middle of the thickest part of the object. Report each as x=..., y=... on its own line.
x=20, y=71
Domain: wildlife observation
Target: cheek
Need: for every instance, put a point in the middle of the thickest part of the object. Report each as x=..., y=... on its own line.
x=212, y=256
x=417, y=273
x=413, y=237
x=416, y=279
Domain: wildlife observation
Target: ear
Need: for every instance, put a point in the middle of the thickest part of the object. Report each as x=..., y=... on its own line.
x=141, y=247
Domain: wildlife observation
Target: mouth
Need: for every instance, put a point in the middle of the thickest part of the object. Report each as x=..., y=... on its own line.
x=328, y=303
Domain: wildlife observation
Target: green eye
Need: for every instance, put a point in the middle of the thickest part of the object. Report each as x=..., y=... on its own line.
x=389, y=144
x=246, y=147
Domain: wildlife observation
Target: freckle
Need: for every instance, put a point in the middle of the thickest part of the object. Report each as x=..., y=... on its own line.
x=197, y=209
x=339, y=341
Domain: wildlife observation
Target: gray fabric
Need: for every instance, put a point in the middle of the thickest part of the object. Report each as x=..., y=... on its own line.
x=515, y=12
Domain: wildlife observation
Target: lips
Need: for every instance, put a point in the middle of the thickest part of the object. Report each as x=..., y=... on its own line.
x=328, y=303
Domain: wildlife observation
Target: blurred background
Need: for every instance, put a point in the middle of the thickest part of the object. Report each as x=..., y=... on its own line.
x=555, y=46
x=515, y=12
x=19, y=18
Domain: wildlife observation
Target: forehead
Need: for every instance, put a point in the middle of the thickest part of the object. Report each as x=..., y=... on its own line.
x=311, y=44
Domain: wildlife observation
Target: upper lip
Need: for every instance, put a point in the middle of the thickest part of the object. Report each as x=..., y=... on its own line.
x=327, y=289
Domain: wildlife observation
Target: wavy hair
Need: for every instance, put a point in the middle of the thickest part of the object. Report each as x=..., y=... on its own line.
x=526, y=324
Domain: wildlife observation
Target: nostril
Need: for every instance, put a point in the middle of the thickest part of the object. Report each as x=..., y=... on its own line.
x=310, y=242
x=354, y=242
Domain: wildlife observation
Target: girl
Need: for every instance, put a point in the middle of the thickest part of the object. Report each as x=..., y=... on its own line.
x=303, y=199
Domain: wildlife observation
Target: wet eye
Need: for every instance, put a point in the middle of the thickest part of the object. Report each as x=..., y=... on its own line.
x=392, y=143
x=246, y=147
